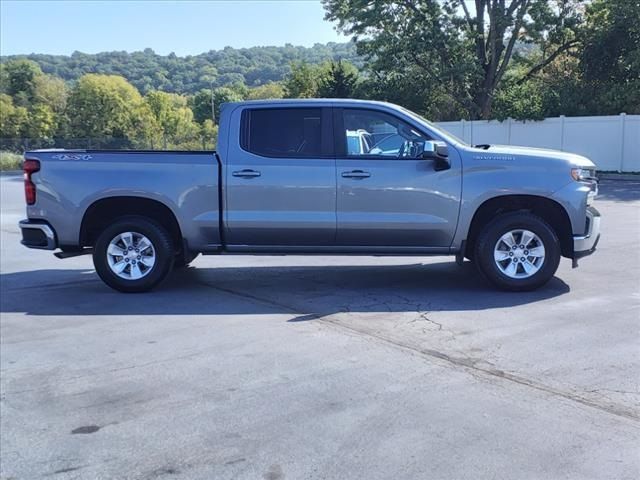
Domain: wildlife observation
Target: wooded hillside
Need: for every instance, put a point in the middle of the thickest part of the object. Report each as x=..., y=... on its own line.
x=148, y=70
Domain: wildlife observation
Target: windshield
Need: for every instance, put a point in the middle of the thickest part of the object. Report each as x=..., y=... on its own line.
x=440, y=131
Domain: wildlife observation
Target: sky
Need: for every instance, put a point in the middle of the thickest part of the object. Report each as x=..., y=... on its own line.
x=182, y=27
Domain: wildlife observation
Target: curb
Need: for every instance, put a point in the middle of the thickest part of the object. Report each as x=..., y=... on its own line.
x=10, y=173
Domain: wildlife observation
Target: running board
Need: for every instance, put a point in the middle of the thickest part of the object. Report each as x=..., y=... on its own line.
x=63, y=255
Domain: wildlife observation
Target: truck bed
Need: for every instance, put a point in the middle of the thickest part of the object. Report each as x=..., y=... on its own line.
x=71, y=182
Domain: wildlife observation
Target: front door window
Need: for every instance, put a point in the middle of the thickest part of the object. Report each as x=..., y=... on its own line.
x=369, y=133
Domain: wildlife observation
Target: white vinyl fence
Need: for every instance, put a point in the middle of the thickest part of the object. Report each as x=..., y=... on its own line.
x=612, y=142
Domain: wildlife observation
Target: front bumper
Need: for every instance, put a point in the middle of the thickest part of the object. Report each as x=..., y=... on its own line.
x=584, y=245
x=37, y=235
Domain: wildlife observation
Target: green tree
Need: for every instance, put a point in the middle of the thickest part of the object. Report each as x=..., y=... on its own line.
x=144, y=131
x=339, y=81
x=303, y=81
x=522, y=101
x=51, y=91
x=21, y=76
x=600, y=76
x=610, y=58
x=223, y=95
x=164, y=107
x=444, y=47
x=41, y=125
x=174, y=117
x=107, y=111
x=209, y=134
x=266, y=91
x=13, y=122
x=4, y=79
x=200, y=104
x=239, y=88
x=208, y=74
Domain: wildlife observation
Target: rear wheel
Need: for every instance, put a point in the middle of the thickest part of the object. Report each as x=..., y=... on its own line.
x=517, y=251
x=133, y=254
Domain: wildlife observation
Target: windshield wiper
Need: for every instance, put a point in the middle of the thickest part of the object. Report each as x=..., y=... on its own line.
x=484, y=146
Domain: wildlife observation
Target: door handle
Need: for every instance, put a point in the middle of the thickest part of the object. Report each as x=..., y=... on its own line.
x=356, y=174
x=246, y=173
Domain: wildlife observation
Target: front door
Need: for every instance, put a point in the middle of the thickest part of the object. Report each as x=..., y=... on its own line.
x=280, y=179
x=387, y=195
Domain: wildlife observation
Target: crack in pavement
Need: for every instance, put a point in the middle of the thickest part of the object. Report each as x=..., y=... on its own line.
x=624, y=392
x=423, y=317
x=468, y=364
x=421, y=308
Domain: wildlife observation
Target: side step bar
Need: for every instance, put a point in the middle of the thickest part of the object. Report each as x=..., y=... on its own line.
x=63, y=255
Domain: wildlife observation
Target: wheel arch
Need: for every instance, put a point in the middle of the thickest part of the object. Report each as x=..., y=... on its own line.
x=105, y=211
x=549, y=210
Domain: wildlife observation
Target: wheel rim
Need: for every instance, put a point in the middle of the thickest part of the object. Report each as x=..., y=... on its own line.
x=519, y=254
x=131, y=255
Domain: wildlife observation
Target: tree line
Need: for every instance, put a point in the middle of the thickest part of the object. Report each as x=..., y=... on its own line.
x=39, y=110
x=147, y=70
x=525, y=59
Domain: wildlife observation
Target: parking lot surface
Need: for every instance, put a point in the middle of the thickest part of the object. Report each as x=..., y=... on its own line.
x=322, y=367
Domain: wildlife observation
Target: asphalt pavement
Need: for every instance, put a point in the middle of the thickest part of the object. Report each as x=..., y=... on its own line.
x=244, y=367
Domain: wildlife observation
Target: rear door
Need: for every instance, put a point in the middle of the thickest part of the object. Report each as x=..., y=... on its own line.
x=280, y=178
x=387, y=195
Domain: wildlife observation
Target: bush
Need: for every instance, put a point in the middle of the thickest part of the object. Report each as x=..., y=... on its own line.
x=10, y=161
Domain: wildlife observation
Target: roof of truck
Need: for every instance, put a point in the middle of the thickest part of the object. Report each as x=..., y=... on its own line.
x=312, y=100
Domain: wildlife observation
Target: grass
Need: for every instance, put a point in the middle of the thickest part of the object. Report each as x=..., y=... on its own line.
x=10, y=161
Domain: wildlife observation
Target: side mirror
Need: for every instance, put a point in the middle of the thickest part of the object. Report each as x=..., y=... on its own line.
x=438, y=152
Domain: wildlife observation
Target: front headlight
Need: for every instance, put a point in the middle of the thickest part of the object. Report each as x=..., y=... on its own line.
x=584, y=174
x=587, y=176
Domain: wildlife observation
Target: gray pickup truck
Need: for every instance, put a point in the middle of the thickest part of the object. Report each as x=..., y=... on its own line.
x=315, y=177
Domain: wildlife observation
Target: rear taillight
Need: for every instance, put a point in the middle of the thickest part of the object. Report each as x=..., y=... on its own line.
x=29, y=167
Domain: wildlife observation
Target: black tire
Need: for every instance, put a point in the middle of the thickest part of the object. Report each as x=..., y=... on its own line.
x=184, y=259
x=162, y=245
x=483, y=252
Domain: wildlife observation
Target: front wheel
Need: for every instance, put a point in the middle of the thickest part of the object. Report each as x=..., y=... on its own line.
x=134, y=254
x=518, y=251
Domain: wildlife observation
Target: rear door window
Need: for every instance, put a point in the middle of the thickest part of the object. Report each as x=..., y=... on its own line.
x=285, y=132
